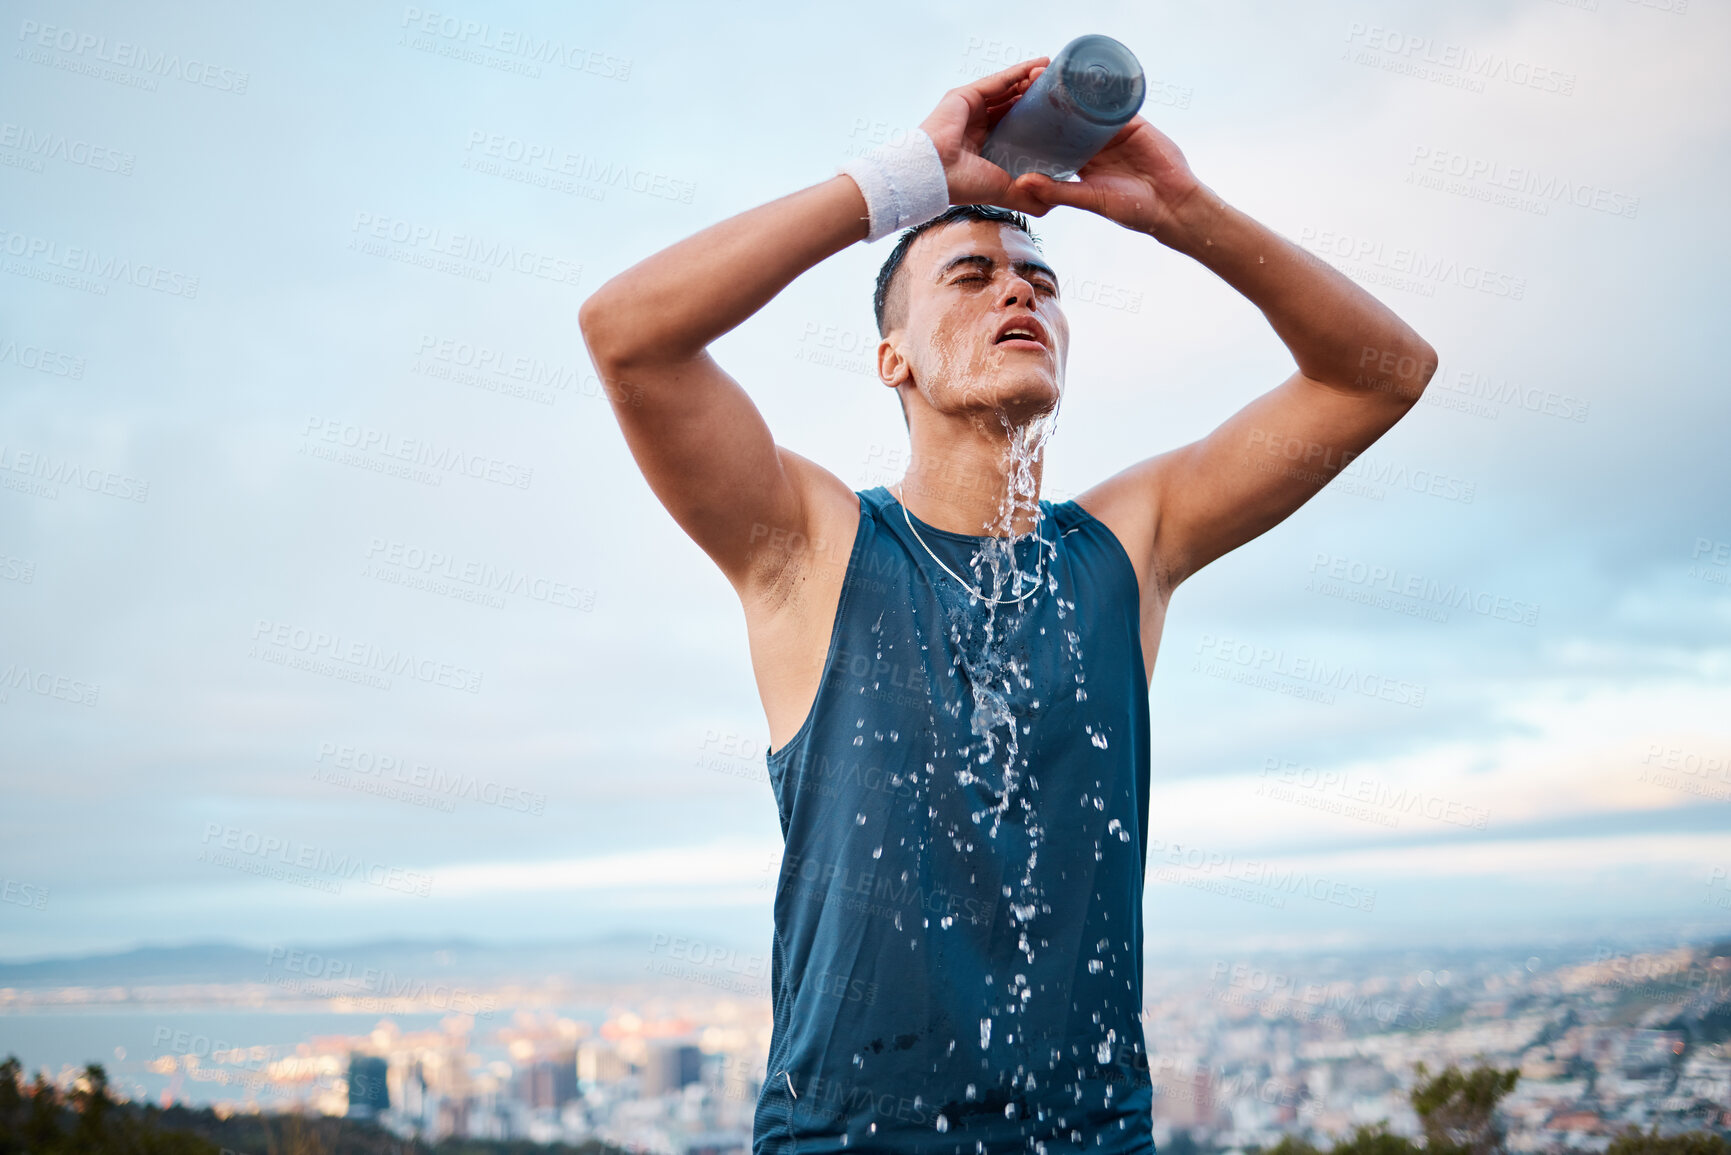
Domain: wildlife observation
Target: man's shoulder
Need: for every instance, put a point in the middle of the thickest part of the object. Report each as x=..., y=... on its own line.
x=1127, y=504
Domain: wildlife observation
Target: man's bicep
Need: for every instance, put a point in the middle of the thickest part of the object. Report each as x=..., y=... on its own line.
x=1260, y=465
x=710, y=459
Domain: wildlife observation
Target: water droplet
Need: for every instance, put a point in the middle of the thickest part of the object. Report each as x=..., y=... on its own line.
x=943, y=1124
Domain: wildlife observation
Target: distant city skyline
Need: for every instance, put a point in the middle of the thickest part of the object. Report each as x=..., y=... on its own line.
x=1242, y=1049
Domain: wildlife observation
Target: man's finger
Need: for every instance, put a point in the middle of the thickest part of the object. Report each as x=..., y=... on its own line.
x=993, y=86
x=1048, y=191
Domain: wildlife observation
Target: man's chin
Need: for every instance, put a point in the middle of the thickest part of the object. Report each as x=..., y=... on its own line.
x=1020, y=401
x=1025, y=405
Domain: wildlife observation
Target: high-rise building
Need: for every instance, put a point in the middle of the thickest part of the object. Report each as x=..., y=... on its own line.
x=368, y=1094
x=671, y=1066
x=599, y=1064
x=411, y=1098
x=549, y=1083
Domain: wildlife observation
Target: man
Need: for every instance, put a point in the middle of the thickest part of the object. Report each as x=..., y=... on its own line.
x=959, y=749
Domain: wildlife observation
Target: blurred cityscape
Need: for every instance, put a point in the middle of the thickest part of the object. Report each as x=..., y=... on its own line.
x=1244, y=1050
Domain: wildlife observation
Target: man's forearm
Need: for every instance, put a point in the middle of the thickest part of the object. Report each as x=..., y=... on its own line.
x=1338, y=333
x=672, y=305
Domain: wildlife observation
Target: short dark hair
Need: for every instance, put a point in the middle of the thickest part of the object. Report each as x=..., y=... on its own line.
x=887, y=274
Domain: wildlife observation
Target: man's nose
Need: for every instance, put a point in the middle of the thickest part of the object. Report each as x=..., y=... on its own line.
x=1019, y=290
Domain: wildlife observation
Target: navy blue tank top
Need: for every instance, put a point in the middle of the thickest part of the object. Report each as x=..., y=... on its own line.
x=957, y=958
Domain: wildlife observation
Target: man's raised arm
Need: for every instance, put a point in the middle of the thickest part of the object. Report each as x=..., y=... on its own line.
x=701, y=444
x=1360, y=368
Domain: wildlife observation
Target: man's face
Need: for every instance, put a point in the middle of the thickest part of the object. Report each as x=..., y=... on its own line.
x=962, y=284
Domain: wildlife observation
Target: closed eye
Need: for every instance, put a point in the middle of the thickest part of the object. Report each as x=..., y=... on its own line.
x=1042, y=284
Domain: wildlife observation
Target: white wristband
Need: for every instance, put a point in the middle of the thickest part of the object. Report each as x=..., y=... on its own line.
x=903, y=183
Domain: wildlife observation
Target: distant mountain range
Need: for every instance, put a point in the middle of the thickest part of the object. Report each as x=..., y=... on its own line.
x=618, y=957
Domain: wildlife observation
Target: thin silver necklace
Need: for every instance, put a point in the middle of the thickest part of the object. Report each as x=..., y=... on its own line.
x=977, y=593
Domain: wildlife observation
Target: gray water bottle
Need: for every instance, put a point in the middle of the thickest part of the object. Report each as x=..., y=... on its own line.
x=1090, y=90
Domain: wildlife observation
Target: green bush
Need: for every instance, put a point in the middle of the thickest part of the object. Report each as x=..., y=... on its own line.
x=1633, y=1142
x=38, y=1120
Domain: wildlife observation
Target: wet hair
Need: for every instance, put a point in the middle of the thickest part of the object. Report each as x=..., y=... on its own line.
x=893, y=263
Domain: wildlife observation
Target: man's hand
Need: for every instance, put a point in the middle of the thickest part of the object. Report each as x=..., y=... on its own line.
x=1140, y=180
x=959, y=126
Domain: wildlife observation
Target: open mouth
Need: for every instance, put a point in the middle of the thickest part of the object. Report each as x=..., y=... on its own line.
x=1022, y=332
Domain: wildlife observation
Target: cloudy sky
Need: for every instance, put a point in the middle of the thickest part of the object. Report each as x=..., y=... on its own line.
x=257, y=265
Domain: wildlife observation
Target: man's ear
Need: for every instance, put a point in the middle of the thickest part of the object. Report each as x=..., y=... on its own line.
x=893, y=368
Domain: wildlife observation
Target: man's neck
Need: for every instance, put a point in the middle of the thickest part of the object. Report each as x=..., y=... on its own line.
x=963, y=486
